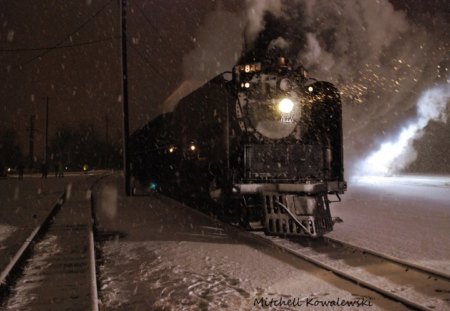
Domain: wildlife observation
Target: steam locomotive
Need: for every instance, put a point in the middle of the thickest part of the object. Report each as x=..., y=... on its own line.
x=261, y=145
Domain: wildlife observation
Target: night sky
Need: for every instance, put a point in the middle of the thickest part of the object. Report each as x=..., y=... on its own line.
x=381, y=54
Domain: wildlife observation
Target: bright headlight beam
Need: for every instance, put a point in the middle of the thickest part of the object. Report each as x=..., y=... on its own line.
x=285, y=105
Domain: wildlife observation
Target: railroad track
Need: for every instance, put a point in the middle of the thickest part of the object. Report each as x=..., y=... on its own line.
x=55, y=267
x=416, y=287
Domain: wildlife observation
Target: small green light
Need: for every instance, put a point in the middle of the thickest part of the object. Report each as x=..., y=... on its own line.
x=152, y=186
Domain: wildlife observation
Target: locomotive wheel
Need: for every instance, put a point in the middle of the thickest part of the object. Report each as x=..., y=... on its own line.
x=244, y=217
x=250, y=213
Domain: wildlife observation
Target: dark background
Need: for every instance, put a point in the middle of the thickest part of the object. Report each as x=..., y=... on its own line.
x=70, y=52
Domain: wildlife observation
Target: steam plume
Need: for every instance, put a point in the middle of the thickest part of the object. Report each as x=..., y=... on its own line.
x=398, y=153
x=218, y=45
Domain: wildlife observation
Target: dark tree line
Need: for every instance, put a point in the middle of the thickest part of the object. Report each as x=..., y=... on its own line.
x=10, y=153
x=77, y=147
x=70, y=147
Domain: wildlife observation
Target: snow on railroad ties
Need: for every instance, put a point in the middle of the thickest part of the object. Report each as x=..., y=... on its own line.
x=23, y=292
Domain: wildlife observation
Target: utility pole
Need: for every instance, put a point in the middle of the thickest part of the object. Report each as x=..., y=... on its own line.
x=31, y=143
x=126, y=130
x=46, y=132
x=106, y=149
x=106, y=129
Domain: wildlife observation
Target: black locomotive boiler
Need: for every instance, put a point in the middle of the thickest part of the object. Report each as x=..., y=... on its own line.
x=262, y=144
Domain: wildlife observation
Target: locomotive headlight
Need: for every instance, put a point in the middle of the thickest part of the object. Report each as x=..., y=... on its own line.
x=285, y=105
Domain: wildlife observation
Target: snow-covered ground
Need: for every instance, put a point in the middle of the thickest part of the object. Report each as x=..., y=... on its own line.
x=160, y=255
x=5, y=232
x=23, y=205
x=407, y=217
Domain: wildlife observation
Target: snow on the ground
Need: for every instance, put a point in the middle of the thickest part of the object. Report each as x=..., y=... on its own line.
x=407, y=217
x=5, y=232
x=160, y=255
x=23, y=205
x=21, y=295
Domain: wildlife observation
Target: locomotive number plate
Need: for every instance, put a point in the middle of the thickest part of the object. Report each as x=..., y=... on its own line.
x=287, y=119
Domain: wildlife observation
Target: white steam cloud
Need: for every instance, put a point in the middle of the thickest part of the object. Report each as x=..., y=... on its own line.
x=219, y=44
x=398, y=153
x=256, y=9
x=279, y=42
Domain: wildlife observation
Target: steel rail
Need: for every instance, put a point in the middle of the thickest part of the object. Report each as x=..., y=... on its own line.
x=290, y=247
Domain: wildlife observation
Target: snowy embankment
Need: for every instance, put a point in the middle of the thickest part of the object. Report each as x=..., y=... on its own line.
x=24, y=204
x=158, y=254
x=407, y=217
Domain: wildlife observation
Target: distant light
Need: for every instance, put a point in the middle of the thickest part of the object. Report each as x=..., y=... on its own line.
x=310, y=89
x=85, y=167
x=171, y=149
x=247, y=85
x=286, y=105
x=192, y=147
x=152, y=186
x=9, y=169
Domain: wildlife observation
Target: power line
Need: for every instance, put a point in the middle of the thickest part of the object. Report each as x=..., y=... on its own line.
x=45, y=52
x=60, y=47
x=148, y=21
x=158, y=33
x=143, y=57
